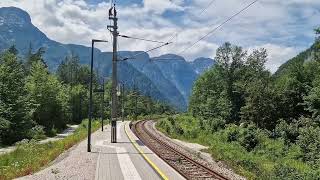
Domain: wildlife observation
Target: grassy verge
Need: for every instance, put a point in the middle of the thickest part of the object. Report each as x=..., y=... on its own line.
x=30, y=157
x=268, y=159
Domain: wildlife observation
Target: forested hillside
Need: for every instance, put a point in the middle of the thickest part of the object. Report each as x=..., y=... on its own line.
x=265, y=126
x=35, y=103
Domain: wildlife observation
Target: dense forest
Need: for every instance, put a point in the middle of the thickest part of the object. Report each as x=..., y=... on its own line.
x=267, y=126
x=35, y=103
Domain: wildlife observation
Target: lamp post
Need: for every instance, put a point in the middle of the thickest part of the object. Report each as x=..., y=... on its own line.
x=90, y=96
x=122, y=102
x=121, y=94
x=102, y=114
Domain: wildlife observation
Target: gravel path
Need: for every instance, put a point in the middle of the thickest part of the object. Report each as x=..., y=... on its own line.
x=194, y=150
x=74, y=164
x=67, y=132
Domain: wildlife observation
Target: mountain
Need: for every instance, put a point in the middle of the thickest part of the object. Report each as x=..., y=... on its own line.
x=148, y=67
x=179, y=71
x=169, y=80
x=200, y=65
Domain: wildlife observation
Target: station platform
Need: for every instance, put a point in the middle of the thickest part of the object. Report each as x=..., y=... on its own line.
x=129, y=158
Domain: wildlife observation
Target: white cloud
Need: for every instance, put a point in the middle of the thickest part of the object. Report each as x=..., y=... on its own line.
x=161, y=6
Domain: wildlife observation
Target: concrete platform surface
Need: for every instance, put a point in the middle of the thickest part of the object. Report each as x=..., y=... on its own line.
x=128, y=159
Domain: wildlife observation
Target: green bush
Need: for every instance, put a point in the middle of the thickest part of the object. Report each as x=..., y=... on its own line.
x=216, y=124
x=246, y=136
x=289, y=132
x=249, y=137
x=52, y=132
x=37, y=133
x=309, y=142
x=232, y=133
x=283, y=172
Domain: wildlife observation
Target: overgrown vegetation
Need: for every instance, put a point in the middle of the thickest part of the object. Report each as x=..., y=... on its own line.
x=249, y=150
x=35, y=103
x=265, y=126
x=30, y=156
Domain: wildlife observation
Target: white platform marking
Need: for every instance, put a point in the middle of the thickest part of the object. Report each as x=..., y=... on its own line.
x=119, y=135
x=128, y=170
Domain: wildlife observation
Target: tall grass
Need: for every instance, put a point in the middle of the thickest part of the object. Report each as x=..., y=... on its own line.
x=30, y=157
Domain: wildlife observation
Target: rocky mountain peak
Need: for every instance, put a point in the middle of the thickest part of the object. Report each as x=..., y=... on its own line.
x=15, y=17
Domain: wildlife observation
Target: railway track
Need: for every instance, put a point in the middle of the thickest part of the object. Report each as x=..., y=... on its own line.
x=185, y=165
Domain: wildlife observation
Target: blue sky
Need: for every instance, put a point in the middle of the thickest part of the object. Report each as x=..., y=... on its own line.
x=284, y=28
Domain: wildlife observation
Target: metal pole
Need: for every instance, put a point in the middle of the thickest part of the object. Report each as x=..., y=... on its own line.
x=90, y=100
x=102, y=113
x=122, y=110
x=136, y=104
x=114, y=79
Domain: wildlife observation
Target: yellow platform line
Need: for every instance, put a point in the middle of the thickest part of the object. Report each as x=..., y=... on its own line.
x=161, y=174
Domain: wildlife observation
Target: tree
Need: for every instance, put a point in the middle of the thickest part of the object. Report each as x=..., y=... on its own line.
x=230, y=61
x=15, y=107
x=46, y=91
x=71, y=72
x=13, y=50
x=260, y=98
x=312, y=100
x=34, y=57
x=209, y=96
x=317, y=49
x=292, y=86
x=77, y=77
x=78, y=103
x=260, y=105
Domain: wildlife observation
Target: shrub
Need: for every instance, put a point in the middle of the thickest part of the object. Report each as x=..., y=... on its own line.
x=172, y=121
x=216, y=124
x=289, y=132
x=232, y=133
x=163, y=124
x=52, y=132
x=309, y=142
x=178, y=129
x=37, y=132
x=285, y=172
x=249, y=137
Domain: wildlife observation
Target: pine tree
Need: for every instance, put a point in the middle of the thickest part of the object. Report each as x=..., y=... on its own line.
x=13, y=50
x=15, y=108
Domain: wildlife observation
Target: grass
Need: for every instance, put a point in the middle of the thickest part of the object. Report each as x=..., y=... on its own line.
x=30, y=157
x=270, y=159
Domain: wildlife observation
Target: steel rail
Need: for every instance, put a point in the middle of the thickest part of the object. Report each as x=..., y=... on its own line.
x=186, y=166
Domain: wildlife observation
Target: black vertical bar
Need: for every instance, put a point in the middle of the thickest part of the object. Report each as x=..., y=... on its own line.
x=90, y=99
